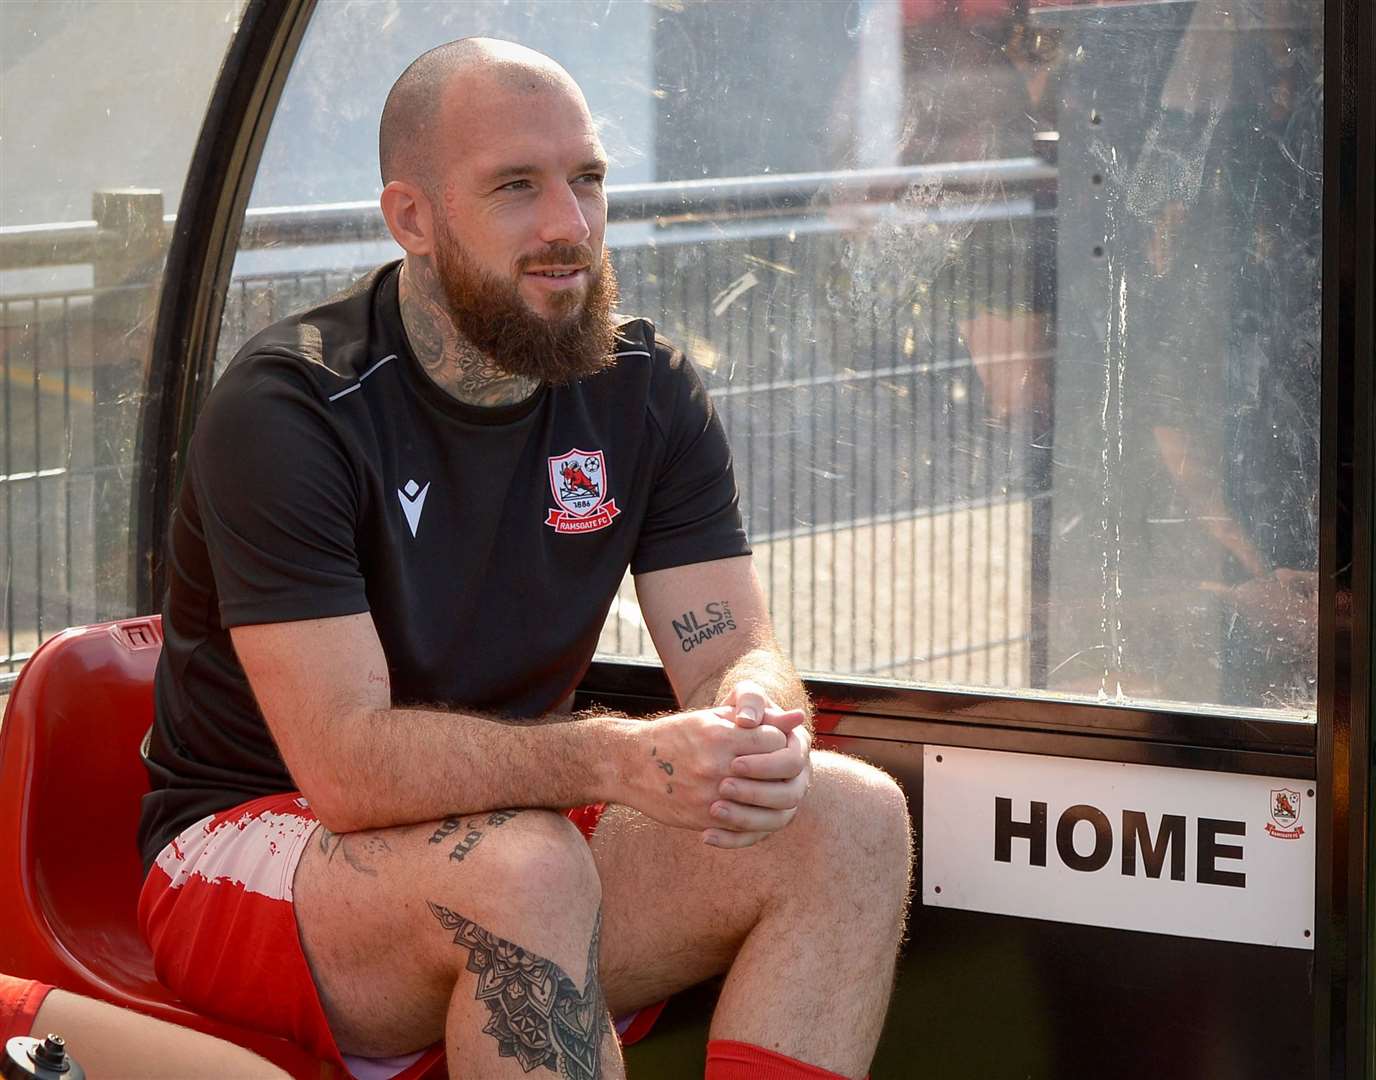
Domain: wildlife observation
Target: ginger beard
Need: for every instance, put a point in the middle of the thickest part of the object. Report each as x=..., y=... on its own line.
x=574, y=342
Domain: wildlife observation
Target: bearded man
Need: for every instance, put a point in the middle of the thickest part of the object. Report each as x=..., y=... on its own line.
x=404, y=516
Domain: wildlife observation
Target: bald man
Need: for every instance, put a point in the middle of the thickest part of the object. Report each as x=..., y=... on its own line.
x=404, y=516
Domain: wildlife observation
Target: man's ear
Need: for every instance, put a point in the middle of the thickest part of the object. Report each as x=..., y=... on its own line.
x=410, y=217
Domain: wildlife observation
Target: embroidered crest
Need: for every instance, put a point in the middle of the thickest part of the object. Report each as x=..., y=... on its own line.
x=578, y=481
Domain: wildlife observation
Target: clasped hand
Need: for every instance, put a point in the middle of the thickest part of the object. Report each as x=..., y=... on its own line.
x=738, y=771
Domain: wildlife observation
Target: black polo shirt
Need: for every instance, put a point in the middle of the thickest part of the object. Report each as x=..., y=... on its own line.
x=328, y=475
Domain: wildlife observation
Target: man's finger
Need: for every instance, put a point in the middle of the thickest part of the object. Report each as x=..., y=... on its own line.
x=751, y=742
x=771, y=794
x=782, y=764
x=723, y=839
x=750, y=701
x=737, y=818
x=784, y=719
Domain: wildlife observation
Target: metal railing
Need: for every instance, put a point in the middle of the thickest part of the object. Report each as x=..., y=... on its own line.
x=890, y=507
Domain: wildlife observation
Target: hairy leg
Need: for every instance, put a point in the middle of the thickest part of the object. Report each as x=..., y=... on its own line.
x=807, y=923
x=111, y=1042
x=481, y=929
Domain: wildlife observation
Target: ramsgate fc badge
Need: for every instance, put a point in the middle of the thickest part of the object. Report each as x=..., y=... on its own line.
x=1285, y=814
x=578, y=480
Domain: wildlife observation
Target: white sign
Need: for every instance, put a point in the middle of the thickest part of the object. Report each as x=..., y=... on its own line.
x=1136, y=847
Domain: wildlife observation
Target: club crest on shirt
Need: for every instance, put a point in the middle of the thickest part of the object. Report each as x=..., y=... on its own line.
x=578, y=480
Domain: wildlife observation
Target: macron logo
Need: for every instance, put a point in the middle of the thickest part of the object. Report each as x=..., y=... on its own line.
x=412, y=498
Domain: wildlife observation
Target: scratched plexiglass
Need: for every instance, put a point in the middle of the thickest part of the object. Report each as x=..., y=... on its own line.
x=100, y=107
x=1010, y=310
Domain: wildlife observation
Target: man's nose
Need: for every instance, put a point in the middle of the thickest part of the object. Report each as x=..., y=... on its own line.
x=561, y=217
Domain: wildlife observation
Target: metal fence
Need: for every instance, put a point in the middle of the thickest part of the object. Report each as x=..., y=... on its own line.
x=889, y=502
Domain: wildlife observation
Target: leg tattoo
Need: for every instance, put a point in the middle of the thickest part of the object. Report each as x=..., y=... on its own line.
x=355, y=848
x=538, y=1016
x=451, y=825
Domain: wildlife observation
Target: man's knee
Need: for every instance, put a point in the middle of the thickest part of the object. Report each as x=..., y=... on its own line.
x=513, y=859
x=513, y=871
x=524, y=878
x=858, y=813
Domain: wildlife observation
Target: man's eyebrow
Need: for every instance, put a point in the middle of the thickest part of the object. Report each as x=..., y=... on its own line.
x=516, y=172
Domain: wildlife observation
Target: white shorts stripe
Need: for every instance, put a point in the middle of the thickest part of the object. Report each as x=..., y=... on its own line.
x=258, y=853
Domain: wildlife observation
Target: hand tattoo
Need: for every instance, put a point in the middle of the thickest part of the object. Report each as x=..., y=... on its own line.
x=667, y=767
x=537, y=1015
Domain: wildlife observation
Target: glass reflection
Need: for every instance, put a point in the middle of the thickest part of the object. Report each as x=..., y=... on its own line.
x=1010, y=308
x=102, y=107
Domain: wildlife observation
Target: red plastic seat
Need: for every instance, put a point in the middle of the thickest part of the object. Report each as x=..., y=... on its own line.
x=70, y=784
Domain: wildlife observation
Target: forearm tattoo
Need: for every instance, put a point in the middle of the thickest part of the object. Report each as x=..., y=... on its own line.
x=693, y=629
x=537, y=1015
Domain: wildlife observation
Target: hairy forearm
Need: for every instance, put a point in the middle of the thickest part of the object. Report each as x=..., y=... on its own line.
x=763, y=665
x=388, y=767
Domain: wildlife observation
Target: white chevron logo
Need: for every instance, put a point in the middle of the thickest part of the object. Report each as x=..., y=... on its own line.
x=412, y=498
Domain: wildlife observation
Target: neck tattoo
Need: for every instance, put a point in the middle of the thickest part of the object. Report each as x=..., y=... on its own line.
x=454, y=364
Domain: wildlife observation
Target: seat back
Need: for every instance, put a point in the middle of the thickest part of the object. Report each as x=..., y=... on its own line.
x=70, y=783
x=71, y=780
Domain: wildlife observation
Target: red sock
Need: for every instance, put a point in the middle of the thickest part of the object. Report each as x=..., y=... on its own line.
x=727, y=1060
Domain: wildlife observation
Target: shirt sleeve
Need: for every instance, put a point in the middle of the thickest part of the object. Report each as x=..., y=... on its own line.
x=694, y=510
x=278, y=499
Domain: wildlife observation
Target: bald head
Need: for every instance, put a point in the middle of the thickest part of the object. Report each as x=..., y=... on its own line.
x=462, y=74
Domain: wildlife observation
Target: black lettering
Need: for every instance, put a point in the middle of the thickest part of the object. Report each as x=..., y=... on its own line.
x=714, y=610
x=683, y=629
x=1209, y=851
x=447, y=826
x=464, y=846
x=1032, y=830
x=1103, y=838
x=1137, y=832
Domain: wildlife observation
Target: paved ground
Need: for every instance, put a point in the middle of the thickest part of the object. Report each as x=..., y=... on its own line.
x=940, y=598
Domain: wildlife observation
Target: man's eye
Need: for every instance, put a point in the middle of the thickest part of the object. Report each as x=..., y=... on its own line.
x=592, y=178
x=515, y=185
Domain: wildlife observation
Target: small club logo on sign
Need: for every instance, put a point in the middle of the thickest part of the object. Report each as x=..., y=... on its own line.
x=1285, y=813
x=578, y=481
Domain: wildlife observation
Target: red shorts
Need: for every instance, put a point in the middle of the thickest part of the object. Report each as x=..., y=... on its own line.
x=217, y=912
x=19, y=1002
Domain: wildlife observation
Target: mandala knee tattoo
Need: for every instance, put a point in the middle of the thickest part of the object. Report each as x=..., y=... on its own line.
x=537, y=1015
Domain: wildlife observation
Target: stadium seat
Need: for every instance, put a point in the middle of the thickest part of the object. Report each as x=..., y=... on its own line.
x=70, y=784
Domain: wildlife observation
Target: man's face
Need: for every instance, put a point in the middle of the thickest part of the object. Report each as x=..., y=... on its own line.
x=519, y=184
x=489, y=311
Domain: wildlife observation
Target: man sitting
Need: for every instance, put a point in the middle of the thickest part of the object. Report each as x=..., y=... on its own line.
x=386, y=586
